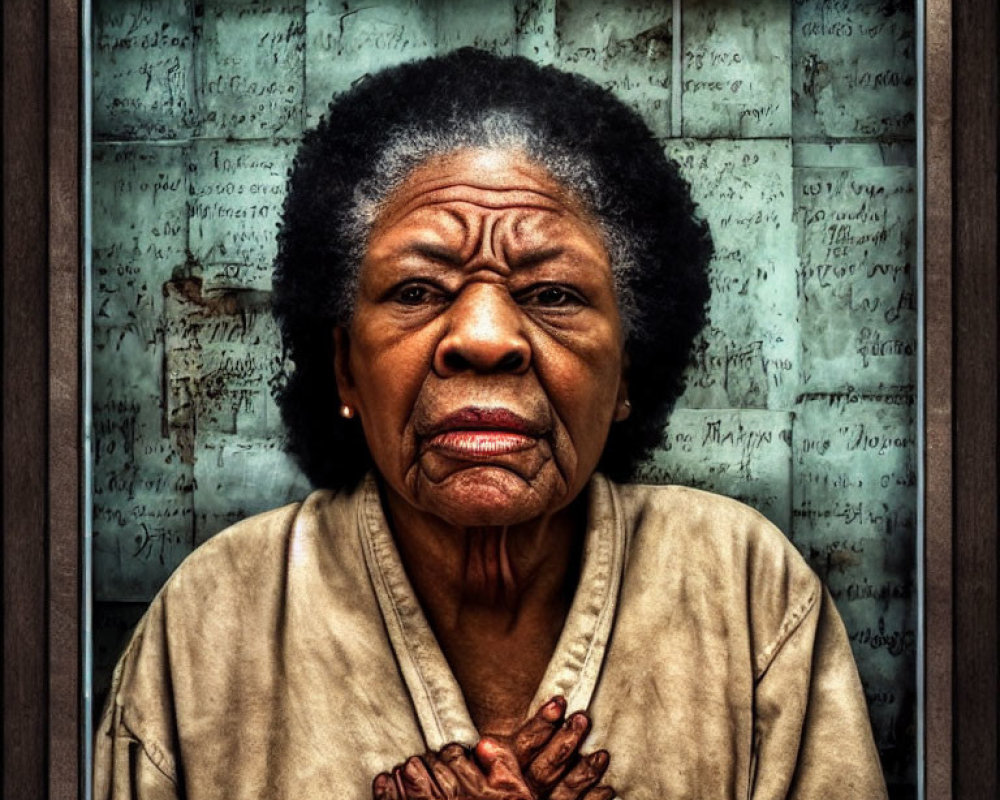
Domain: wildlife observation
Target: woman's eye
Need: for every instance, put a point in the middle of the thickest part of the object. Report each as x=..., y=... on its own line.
x=415, y=294
x=554, y=297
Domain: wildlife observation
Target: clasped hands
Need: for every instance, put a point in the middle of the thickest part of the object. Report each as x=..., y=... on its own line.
x=541, y=762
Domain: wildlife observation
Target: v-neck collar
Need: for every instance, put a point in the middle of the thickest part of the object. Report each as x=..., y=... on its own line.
x=576, y=662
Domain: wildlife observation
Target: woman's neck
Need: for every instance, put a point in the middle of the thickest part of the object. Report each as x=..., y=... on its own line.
x=497, y=600
x=498, y=573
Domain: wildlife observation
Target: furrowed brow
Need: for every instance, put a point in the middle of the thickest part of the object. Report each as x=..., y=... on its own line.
x=531, y=258
x=434, y=252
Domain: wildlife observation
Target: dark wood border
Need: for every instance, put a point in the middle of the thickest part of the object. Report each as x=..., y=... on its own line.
x=25, y=331
x=937, y=399
x=41, y=379
x=65, y=442
x=974, y=413
x=41, y=442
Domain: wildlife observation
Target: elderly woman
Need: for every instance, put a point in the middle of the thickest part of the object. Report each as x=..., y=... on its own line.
x=488, y=282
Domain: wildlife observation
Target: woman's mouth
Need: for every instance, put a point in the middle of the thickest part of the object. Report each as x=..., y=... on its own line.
x=480, y=444
x=474, y=434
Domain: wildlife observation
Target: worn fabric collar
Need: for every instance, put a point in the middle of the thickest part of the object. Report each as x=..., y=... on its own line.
x=576, y=663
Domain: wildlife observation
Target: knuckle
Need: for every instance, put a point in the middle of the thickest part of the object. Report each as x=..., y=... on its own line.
x=533, y=733
x=452, y=751
x=447, y=780
x=582, y=776
x=541, y=773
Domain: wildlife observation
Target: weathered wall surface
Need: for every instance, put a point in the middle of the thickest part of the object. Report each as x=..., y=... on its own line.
x=793, y=120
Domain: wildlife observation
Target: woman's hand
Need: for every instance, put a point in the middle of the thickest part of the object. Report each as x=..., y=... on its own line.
x=491, y=774
x=542, y=761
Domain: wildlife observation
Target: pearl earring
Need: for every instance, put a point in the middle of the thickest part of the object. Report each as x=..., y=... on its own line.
x=346, y=411
x=624, y=410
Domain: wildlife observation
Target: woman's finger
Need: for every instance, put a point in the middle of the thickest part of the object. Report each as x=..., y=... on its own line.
x=444, y=776
x=602, y=792
x=470, y=778
x=553, y=759
x=584, y=774
x=533, y=735
x=503, y=773
x=384, y=787
x=417, y=781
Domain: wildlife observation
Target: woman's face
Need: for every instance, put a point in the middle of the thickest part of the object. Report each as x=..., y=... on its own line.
x=484, y=359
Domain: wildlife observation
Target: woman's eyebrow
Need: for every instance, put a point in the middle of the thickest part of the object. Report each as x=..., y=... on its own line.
x=453, y=258
x=533, y=257
x=433, y=252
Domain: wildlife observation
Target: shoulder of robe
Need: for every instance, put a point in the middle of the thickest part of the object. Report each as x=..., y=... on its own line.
x=232, y=586
x=222, y=603
x=730, y=549
x=244, y=551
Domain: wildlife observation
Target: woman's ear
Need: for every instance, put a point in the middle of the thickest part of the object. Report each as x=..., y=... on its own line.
x=342, y=365
x=623, y=406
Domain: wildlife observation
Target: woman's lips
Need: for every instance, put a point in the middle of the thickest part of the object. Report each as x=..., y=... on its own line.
x=474, y=434
x=480, y=444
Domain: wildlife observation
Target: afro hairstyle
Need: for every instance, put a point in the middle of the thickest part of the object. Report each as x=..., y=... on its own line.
x=389, y=123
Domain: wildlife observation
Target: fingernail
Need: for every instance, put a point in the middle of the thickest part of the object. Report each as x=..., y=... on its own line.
x=599, y=759
x=380, y=782
x=411, y=769
x=487, y=748
x=578, y=722
x=452, y=751
x=554, y=709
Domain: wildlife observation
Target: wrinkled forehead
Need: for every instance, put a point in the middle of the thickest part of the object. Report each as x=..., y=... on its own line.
x=480, y=182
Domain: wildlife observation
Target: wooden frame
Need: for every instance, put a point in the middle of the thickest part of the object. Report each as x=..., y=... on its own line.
x=41, y=408
x=938, y=400
x=42, y=379
x=974, y=391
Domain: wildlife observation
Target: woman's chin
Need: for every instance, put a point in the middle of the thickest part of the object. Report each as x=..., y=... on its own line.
x=488, y=495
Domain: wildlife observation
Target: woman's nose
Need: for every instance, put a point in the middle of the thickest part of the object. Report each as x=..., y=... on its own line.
x=484, y=334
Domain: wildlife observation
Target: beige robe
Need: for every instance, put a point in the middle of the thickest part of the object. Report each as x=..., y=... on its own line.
x=288, y=657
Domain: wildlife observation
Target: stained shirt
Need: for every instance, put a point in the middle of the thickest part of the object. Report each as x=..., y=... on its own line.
x=288, y=657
